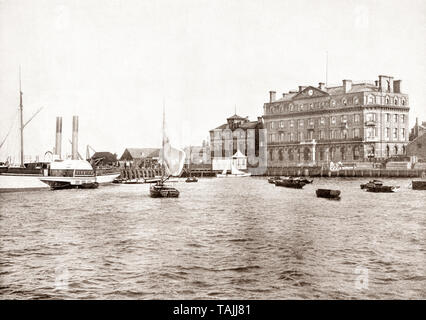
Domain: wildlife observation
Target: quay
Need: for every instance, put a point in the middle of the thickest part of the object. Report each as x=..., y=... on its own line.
x=319, y=171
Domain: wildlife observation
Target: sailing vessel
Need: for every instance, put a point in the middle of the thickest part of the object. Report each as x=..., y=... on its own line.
x=190, y=178
x=172, y=161
x=235, y=173
x=23, y=176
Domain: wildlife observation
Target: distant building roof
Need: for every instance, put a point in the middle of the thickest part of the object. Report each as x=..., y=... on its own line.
x=140, y=153
x=236, y=117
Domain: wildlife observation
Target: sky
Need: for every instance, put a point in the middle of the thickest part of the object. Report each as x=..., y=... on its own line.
x=115, y=63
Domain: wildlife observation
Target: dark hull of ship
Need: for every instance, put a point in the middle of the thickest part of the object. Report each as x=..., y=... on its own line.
x=59, y=185
x=328, y=194
x=295, y=184
x=419, y=185
x=163, y=191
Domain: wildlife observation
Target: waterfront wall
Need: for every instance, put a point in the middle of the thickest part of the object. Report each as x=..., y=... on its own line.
x=325, y=172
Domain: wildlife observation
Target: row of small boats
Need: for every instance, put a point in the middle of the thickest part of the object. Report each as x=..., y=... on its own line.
x=300, y=182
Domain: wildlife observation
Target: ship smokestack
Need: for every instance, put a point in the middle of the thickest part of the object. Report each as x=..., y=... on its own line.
x=58, y=143
x=75, y=137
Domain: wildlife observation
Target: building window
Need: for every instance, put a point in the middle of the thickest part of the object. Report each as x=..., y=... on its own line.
x=333, y=103
x=402, y=118
x=300, y=136
x=281, y=124
x=356, y=100
x=301, y=123
x=356, y=118
x=310, y=134
x=292, y=137
x=395, y=118
x=387, y=100
x=388, y=117
x=322, y=121
x=395, y=133
x=370, y=133
x=291, y=123
x=370, y=99
x=402, y=134
x=356, y=153
x=322, y=134
x=395, y=101
x=343, y=119
x=396, y=149
x=272, y=125
x=371, y=117
x=403, y=102
x=387, y=134
x=311, y=122
x=344, y=101
x=356, y=133
x=333, y=120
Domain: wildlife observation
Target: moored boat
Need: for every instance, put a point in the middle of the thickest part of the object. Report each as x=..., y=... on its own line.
x=290, y=183
x=328, y=193
x=66, y=174
x=160, y=190
x=305, y=180
x=381, y=188
x=418, y=184
x=272, y=179
x=371, y=183
x=191, y=179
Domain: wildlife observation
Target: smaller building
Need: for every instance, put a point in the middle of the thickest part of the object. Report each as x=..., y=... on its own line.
x=417, y=130
x=237, y=135
x=417, y=148
x=141, y=157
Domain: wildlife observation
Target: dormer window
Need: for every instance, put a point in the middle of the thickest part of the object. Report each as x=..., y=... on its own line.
x=395, y=101
x=403, y=102
x=344, y=101
x=387, y=100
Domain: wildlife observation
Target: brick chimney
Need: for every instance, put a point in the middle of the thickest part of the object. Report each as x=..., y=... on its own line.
x=347, y=86
x=272, y=96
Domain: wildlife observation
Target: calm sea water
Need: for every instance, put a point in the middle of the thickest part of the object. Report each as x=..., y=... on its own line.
x=223, y=238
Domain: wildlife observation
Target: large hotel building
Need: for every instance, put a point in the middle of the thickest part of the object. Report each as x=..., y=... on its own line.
x=347, y=123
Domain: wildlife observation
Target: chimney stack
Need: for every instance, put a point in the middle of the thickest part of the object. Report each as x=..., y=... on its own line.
x=301, y=88
x=397, y=86
x=347, y=86
x=58, y=142
x=386, y=83
x=321, y=86
x=283, y=95
x=75, y=137
x=272, y=96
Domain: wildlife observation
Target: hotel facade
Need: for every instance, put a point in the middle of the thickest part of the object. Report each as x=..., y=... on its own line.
x=348, y=123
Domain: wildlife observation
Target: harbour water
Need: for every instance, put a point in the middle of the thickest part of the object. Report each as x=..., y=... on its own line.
x=239, y=238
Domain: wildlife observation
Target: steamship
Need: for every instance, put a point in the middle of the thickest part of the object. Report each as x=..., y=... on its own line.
x=27, y=176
